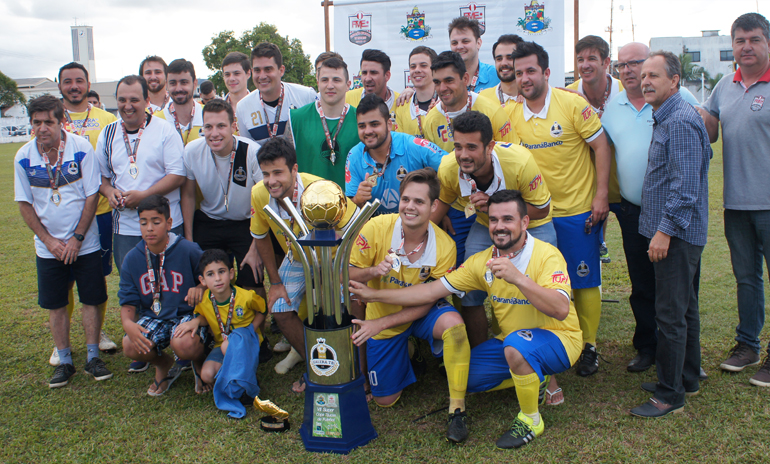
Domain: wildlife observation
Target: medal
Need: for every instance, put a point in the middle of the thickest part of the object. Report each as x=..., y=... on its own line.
x=396, y=264
x=155, y=280
x=290, y=255
x=470, y=210
x=53, y=179
x=394, y=254
x=331, y=140
x=373, y=180
x=489, y=277
x=133, y=168
x=156, y=306
x=224, y=329
x=375, y=171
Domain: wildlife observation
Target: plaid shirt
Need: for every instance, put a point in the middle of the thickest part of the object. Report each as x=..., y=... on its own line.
x=675, y=189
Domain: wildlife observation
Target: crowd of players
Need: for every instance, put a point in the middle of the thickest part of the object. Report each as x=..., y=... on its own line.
x=494, y=186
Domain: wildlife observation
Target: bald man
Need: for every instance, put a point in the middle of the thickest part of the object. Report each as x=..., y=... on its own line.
x=628, y=122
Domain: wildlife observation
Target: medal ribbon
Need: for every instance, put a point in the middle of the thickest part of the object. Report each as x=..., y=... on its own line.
x=53, y=180
x=329, y=139
x=381, y=172
x=496, y=253
x=70, y=126
x=155, y=283
x=224, y=329
x=502, y=97
x=401, y=246
x=450, y=131
x=178, y=126
x=472, y=86
x=272, y=131
x=132, y=153
x=226, y=190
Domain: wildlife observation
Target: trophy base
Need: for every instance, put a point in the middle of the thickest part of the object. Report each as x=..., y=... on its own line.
x=336, y=418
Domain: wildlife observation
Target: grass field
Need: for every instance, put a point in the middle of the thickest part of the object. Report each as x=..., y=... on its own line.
x=115, y=421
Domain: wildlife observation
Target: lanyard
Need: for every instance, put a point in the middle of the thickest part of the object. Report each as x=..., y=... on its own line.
x=53, y=179
x=226, y=190
x=450, y=131
x=165, y=101
x=272, y=131
x=417, y=111
x=224, y=329
x=400, y=250
x=502, y=96
x=155, y=283
x=331, y=141
x=172, y=110
x=600, y=110
x=488, y=276
x=472, y=86
x=70, y=126
x=381, y=172
x=133, y=168
x=472, y=182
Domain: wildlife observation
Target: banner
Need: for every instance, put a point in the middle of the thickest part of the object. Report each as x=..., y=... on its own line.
x=397, y=26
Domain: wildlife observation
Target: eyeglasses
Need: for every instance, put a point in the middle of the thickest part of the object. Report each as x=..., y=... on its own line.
x=630, y=64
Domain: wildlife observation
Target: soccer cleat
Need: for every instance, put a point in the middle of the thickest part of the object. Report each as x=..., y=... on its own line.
x=741, y=357
x=61, y=375
x=588, y=364
x=541, y=391
x=762, y=377
x=521, y=432
x=98, y=369
x=457, y=427
x=54, y=359
x=604, y=254
x=282, y=346
x=138, y=366
x=105, y=343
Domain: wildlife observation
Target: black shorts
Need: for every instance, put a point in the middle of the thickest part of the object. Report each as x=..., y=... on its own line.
x=53, y=278
x=233, y=237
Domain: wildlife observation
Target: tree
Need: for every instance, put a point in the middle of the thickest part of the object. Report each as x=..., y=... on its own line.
x=9, y=92
x=711, y=82
x=690, y=71
x=297, y=63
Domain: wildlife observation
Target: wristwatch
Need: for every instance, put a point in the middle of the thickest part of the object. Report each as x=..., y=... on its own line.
x=79, y=237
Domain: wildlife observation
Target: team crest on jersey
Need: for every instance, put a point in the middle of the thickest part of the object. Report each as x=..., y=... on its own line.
x=475, y=11
x=424, y=272
x=757, y=104
x=587, y=112
x=416, y=30
x=240, y=174
x=360, y=28
x=556, y=130
x=362, y=243
x=323, y=358
x=401, y=173
x=534, y=22
x=356, y=82
x=583, y=269
x=239, y=311
x=525, y=334
x=72, y=169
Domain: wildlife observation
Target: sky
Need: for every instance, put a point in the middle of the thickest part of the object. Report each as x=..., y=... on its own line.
x=35, y=35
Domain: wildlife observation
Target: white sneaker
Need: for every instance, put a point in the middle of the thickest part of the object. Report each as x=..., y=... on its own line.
x=282, y=346
x=54, y=361
x=288, y=362
x=105, y=344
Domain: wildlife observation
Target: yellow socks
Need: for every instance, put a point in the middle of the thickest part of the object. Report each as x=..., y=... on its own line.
x=588, y=305
x=526, y=390
x=457, y=360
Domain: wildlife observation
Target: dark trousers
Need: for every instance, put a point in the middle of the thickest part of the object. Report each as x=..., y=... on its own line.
x=676, y=303
x=642, y=275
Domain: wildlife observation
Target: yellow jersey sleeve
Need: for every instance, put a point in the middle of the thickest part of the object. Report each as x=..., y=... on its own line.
x=260, y=222
x=501, y=126
x=574, y=86
x=367, y=247
x=470, y=275
x=449, y=180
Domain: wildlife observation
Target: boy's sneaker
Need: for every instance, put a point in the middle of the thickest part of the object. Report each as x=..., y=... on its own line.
x=521, y=432
x=588, y=364
x=138, y=366
x=282, y=346
x=98, y=369
x=54, y=359
x=762, y=377
x=741, y=356
x=61, y=375
x=604, y=254
x=457, y=428
x=105, y=343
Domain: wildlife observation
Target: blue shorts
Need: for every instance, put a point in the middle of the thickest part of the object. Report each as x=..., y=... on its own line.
x=389, y=368
x=104, y=223
x=461, y=226
x=54, y=278
x=541, y=348
x=216, y=355
x=478, y=240
x=580, y=250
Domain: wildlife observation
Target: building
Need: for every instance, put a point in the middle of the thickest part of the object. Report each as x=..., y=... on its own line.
x=710, y=51
x=83, y=49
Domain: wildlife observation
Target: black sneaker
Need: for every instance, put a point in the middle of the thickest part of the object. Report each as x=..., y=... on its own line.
x=61, y=375
x=457, y=428
x=98, y=369
x=588, y=364
x=265, y=352
x=522, y=431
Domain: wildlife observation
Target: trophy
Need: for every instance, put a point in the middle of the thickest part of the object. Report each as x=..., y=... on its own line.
x=336, y=417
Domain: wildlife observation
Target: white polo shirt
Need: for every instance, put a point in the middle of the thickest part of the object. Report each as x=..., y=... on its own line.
x=251, y=113
x=211, y=173
x=160, y=153
x=79, y=179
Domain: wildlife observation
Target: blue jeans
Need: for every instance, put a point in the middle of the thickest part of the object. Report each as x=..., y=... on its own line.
x=545, y=232
x=746, y=233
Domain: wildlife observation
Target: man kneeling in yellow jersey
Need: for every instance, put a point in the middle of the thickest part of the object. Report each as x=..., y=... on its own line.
x=529, y=289
x=403, y=250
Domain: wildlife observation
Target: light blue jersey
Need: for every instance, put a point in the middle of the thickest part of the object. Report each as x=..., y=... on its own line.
x=407, y=154
x=487, y=77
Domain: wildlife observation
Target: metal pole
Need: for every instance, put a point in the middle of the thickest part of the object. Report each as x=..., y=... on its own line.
x=576, y=37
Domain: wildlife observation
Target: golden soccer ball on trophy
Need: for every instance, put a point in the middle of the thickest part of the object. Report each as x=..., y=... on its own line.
x=323, y=204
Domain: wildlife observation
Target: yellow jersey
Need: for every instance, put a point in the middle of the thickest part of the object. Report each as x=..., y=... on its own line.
x=410, y=119
x=383, y=233
x=247, y=305
x=192, y=131
x=543, y=264
x=495, y=94
x=515, y=168
x=353, y=98
x=558, y=138
x=261, y=224
x=90, y=129
x=436, y=130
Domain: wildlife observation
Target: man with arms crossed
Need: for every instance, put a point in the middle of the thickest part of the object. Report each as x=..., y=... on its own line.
x=401, y=250
x=529, y=288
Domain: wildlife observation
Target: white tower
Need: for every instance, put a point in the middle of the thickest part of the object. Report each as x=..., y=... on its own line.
x=83, y=49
